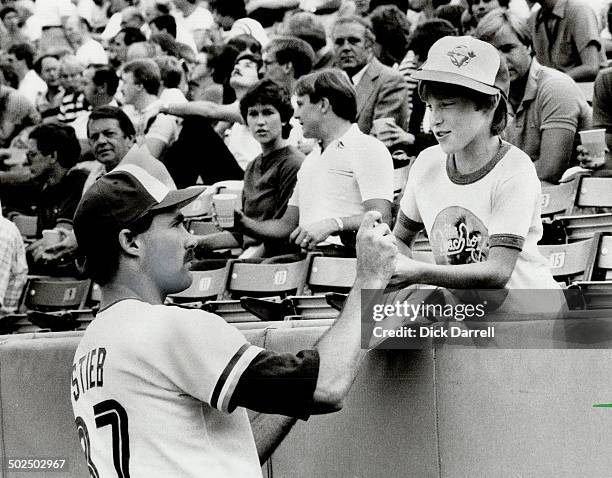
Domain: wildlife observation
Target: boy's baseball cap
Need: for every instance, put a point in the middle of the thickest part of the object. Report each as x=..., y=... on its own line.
x=468, y=62
x=121, y=197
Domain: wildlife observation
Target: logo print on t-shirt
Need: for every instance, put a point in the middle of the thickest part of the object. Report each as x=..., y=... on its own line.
x=461, y=55
x=458, y=236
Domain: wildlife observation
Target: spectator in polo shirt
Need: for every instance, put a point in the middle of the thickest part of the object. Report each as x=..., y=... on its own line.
x=565, y=36
x=348, y=174
x=87, y=50
x=52, y=153
x=21, y=57
x=548, y=106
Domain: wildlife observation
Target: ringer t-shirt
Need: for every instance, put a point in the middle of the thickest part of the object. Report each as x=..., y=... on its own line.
x=467, y=214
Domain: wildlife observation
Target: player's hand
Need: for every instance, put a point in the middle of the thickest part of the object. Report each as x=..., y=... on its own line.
x=309, y=235
x=67, y=246
x=589, y=161
x=376, y=248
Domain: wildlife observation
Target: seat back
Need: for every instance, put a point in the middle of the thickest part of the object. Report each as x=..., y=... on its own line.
x=594, y=192
x=568, y=262
x=558, y=199
x=266, y=279
x=50, y=293
x=202, y=206
x=205, y=285
x=327, y=273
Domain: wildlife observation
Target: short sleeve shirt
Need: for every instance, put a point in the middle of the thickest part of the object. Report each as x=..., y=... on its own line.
x=552, y=100
x=168, y=376
x=499, y=205
x=335, y=182
x=602, y=99
x=573, y=28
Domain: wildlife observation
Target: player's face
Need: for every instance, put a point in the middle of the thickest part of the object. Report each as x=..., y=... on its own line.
x=108, y=142
x=309, y=116
x=264, y=123
x=456, y=123
x=168, y=252
x=517, y=55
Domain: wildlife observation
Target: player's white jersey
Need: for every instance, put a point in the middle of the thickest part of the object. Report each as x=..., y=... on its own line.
x=151, y=388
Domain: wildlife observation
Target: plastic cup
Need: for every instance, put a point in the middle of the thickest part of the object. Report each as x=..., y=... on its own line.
x=594, y=140
x=224, y=208
x=51, y=237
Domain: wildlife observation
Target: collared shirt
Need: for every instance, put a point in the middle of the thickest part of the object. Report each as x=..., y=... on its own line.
x=31, y=85
x=561, y=35
x=551, y=100
x=336, y=181
x=150, y=123
x=92, y=53
x=72, y=106
x=355, y=79
x=13, y=266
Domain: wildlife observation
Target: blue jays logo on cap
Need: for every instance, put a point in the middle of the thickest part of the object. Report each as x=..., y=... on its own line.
x=461, y=55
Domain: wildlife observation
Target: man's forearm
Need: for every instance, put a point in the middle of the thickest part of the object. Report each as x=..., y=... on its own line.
x=270, y=229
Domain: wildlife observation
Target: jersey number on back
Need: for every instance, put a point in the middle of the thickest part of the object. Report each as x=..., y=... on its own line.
x=109, y=412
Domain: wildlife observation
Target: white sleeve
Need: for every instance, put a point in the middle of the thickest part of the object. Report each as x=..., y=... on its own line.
x=206, y=357
x=374, y=171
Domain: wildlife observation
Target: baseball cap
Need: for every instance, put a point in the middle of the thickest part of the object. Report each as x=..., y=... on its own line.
x=121, y=197
x=468, y=62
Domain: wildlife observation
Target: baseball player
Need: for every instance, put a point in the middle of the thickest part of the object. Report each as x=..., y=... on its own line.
x=160, y=391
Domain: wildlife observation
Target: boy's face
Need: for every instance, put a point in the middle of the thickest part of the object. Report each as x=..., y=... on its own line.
x=456, y=123
x=264, y=123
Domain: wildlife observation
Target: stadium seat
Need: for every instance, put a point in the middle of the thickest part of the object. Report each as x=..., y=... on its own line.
x=206, y=285
x=260, y=280
x=569, y=262
x=558, y=199
x=201, y=206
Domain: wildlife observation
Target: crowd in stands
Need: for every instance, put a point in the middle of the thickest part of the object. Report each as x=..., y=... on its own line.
x=313, y=104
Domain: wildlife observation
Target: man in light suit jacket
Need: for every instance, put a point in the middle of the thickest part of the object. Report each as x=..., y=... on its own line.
x=381, y=91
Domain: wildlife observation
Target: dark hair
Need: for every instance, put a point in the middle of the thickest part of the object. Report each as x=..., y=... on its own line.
x=481, y=101
x=229, y=8
x=103, y=253
x=23, y=51
x=245, y=42
x=57, y=138
x=332, y=84
x=131, y=35
x=439, y=3
x=502, y=4
x=104, y=75
x=10, y=79
x=267, y=92
x=293, y=50
x=6, y=10
x=146, y=73
x=391, y=29
x=167, y=23
x=166, y=43
x=113, y=112
x=427, y=33
x=39, y=61
x=170, y=70
x=452, y=14
x=308, y=27
x=401, y=4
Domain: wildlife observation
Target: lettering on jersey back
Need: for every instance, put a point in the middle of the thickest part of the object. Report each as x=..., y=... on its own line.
x=88, y=372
